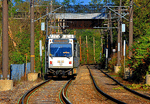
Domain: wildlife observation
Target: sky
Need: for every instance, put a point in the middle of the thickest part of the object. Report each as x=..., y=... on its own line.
x=78, y=1
x=82, y=2
x=85, y=2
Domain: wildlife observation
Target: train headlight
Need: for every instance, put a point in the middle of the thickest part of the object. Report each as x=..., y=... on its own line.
x=51, y=62
x=62, y=61
x=70, y=62
x=58, y=61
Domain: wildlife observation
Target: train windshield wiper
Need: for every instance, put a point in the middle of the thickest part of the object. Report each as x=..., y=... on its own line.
x=56, y=51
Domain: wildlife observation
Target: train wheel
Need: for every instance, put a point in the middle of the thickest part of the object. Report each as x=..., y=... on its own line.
x=73, y=77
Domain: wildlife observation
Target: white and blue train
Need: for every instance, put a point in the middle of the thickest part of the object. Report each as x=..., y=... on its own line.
x=62, y=55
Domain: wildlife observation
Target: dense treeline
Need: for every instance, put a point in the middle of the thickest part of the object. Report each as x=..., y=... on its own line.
x=139, y=63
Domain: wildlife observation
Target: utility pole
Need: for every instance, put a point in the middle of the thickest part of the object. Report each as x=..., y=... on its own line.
x=32, y=35
x=87, y=50
x=55, y=24
x=46, y=22
x=26, y=66
x=80, y=49
x=110, y=32
x=94, y=49
x=58, y=25
x=101, y=32
x=5, y=39
x=109, y=37
x=121, y=53
x=51, y=18
x=131, y=27
x=1, y=41
x=118, y=53
x=5, y=82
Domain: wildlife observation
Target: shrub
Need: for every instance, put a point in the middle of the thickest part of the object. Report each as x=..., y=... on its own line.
x=112, y=62
x=140, y=59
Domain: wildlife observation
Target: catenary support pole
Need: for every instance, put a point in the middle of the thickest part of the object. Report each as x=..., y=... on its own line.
x=46, y=22
x=26, y=66
x=94, y=48
x=40, y=47
x=58, y=25
x=87, y=51
x=118, y=53
x=5, y=39
x=124, y=54
x=110, y=32
x=51, y=16
x=54, y=24
x=131, y=27
x=121, y=51
x=80, y=49
x=32, y=35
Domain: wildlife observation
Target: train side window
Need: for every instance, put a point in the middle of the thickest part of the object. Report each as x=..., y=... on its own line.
x=78, y=50
x=75, y=49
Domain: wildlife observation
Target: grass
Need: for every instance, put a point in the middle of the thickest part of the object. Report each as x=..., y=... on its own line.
x=114, y=75
x=144, y=87
x=118, y=88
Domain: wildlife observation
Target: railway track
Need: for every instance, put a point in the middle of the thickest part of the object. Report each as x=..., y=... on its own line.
x=50, y=91
x=63, y=97
x=82, y=91
x=24, y=98
x=126, y=96
x=132, y=91
x=103, y=93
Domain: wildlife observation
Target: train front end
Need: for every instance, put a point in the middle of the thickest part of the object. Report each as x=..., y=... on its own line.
x=60, y=54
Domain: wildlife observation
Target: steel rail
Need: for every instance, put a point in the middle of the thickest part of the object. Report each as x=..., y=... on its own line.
x=66, y=101
x=104, y=94
x=29, y=91
x=132, y=91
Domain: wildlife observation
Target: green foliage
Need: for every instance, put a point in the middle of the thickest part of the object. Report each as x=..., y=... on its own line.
x=23, y=47
x=102, y=61
x=11, y=9
x=139, y=86
x=90, y=34
x=140, y=60
x=17, y=58
x=146, y=86
x=66, y=2
x=118, y=88
x=17, y=54
x=121, y=72
x=112, y=63
x=149, y=67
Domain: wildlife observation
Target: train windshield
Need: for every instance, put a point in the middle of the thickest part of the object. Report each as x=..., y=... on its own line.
x=60, y=50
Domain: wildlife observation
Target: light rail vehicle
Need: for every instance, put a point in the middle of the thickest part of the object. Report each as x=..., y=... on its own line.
x=62, y=55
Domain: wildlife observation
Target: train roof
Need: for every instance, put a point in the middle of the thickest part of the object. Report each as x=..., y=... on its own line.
x=62, y=36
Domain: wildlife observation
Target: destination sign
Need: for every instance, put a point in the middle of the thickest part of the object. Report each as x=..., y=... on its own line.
x=60, y=41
